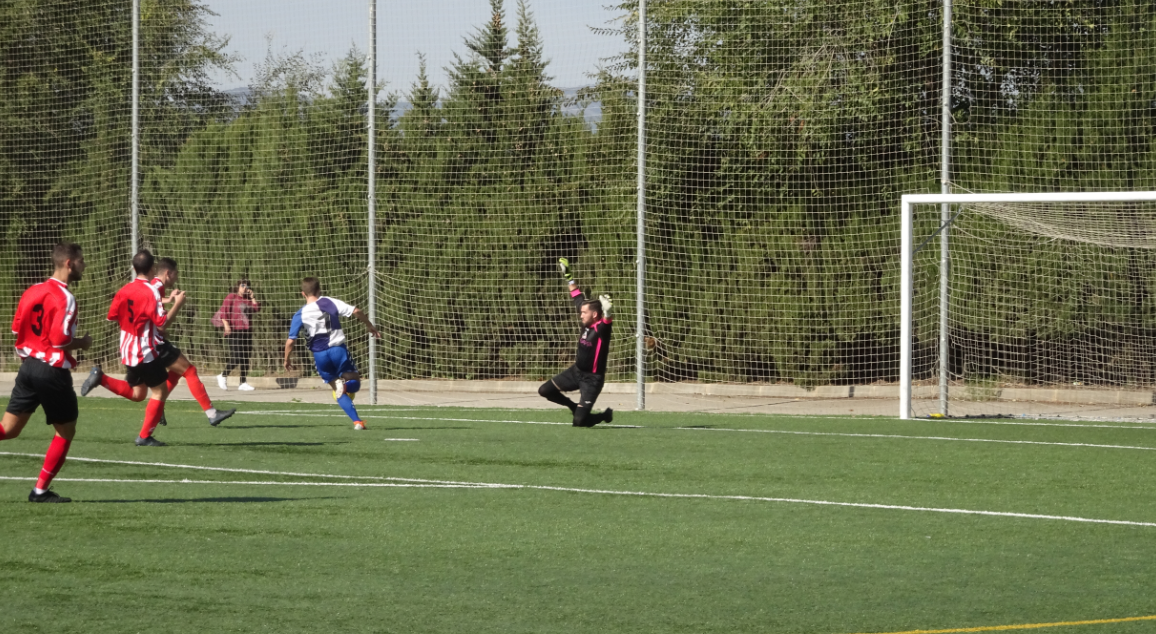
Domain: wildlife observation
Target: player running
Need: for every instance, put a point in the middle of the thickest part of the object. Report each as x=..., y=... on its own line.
x=321, y=319
x=175, y=362
x=588, y=373
x=137, y=309
x=45, y=329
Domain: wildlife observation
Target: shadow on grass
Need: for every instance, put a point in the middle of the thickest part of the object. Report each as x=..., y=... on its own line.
x=235, y=500
x=259, y=444
x=223, y=426
x=392, y=428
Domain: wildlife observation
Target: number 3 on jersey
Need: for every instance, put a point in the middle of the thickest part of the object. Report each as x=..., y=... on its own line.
x=38, y=325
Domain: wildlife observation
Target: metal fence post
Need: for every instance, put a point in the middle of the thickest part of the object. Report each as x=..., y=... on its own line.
x=640, y=262
x=371, y=197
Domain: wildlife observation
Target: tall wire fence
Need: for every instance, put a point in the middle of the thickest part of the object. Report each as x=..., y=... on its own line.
x=778, y=137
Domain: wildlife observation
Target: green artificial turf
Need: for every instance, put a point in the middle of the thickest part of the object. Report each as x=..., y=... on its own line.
x=579, y=551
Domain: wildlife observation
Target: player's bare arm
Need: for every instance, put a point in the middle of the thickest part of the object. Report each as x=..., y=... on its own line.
x=178, y=301
x=360, y=316
x=79, y=343
x=288, y=351
x=178, y=297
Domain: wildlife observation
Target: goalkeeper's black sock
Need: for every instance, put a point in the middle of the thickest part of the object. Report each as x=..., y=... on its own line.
x=583, y=417
x=551, y=393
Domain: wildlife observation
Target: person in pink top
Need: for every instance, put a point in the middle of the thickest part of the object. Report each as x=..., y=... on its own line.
x=234, y=319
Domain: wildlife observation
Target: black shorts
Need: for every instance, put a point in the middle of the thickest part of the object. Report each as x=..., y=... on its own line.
x=588, y=384
x=168, y=354
x=39, y=384
x=152, y=374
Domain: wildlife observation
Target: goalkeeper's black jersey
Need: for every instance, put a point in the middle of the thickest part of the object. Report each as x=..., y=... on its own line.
x=594, y=344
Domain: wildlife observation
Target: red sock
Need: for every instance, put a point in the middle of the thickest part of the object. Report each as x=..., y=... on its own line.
x=116, y=386
x=197, y=388
x=153, y=412
x=174, y=378
x=53, y=460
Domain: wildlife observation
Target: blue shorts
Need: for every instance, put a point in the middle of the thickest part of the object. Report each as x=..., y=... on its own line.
x=332, y=363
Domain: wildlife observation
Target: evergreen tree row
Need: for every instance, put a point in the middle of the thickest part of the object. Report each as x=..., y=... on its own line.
x=780, y=137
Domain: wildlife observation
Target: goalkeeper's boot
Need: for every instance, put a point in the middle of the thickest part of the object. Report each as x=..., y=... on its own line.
x=221, y=415
x=359, y=425
x=92, y=381
x=46, y=497
x=608, y=416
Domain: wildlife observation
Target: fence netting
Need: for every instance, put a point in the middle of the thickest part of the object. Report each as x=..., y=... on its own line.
x=779, y=138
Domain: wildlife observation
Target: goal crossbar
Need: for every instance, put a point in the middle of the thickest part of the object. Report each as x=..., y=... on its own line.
x=908, y=256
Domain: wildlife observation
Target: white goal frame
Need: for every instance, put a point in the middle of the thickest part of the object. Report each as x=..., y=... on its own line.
x=908, y=258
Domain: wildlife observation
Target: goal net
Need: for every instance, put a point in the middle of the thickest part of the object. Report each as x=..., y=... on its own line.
x=1041, y=305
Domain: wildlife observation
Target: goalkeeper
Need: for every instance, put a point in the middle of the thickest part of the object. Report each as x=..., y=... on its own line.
x=589, y=370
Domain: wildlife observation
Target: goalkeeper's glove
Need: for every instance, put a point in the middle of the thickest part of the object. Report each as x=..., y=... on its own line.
x=564, y=265
x=606, y=305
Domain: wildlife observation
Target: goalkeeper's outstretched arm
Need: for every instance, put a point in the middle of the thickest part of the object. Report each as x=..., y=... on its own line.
x=564, y=266
x=575, y=292
x=606, y=306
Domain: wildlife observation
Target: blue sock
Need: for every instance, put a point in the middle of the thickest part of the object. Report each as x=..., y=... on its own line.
x=346, y=404
x=352, y=386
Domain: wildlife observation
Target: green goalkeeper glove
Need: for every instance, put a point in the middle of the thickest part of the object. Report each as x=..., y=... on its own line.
x=606, y=305
x=564, y=265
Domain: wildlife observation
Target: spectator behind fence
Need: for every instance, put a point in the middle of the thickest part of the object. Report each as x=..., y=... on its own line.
x=233, y=317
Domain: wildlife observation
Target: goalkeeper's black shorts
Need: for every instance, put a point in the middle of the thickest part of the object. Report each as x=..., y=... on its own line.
x=588, y=384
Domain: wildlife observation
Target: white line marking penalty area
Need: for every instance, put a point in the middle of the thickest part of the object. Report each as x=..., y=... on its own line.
x=764, y=431
x=384, y=480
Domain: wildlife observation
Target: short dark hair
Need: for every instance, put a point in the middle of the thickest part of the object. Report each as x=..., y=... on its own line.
x=311, y=286
x=166, y=264
x=63, y=252
x=594, y=304
x=143, y=262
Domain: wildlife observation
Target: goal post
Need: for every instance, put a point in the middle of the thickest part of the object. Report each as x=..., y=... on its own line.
x=1101, y=236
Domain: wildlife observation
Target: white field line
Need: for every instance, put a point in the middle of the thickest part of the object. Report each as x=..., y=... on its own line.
x=386, y=409
x=529, y=487
x=168, y=465
x=400, y=485
x=384, y=414
x=901, y=437
x=447, y=420
x=776, y=431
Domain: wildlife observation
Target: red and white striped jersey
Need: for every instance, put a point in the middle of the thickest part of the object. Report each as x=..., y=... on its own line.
x=160, y=287
x=137, y=309
x=45, y=322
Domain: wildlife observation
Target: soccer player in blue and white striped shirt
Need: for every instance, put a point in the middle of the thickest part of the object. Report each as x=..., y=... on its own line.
x=321, y=320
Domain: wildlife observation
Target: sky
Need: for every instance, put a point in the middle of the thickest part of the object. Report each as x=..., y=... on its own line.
x=435, y=28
